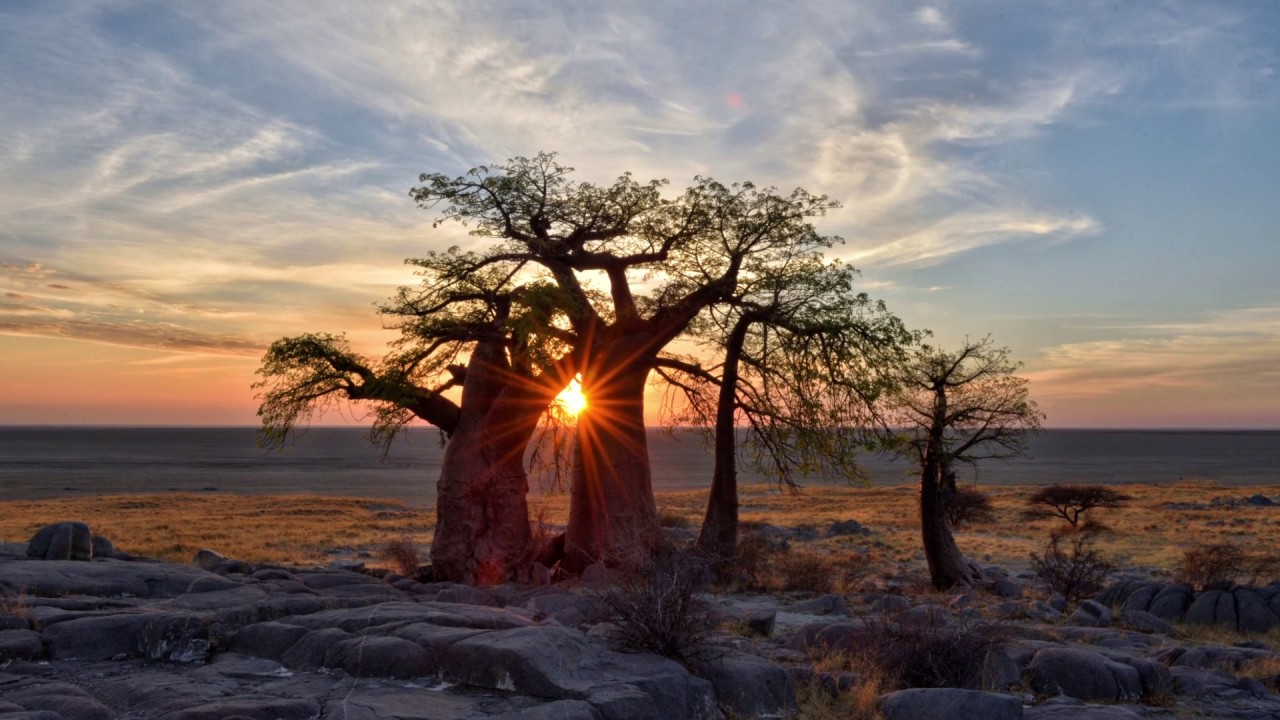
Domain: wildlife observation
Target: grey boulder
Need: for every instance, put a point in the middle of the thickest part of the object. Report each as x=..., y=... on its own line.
x=61, y=541
x=1081, y=674
x=750, y=686
x=1091, y=613
x=1144, y=622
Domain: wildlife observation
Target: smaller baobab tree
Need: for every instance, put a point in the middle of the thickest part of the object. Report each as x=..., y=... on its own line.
x=804, y=355
x=952, y=408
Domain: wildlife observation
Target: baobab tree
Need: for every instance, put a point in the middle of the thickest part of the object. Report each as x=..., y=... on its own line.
x=952, y=408
x=580, y=280
x=664, y=262
x=515, y=366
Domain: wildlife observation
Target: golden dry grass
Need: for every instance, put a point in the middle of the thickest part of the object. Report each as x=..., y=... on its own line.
x=1217, y=634
x=859, y=703
x=299, y=529
x=294, y=529
x=1143, y=534
x=1265, y=670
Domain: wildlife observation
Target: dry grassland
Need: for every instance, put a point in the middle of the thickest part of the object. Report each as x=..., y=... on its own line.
x=301, y=529
x=292, y=529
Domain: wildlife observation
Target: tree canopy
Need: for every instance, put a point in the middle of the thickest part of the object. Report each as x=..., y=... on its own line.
x=636, y=270
x=963, y=406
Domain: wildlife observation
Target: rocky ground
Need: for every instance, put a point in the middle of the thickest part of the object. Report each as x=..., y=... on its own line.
x=121, y=637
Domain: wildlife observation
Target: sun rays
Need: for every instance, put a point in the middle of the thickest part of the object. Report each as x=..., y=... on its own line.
x=571, y=401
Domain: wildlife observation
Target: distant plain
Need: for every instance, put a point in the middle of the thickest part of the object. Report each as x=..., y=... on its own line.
x=47, y=462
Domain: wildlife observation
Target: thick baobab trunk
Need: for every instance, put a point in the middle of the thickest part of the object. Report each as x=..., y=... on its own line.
x=482, y=517
x=612, y=516
x=718, y=539
x=947, y=565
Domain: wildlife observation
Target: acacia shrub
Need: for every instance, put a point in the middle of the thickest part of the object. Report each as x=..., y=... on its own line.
x=1072, y=502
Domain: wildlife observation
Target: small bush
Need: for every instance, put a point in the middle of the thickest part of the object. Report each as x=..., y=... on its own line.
x=969, y=506
x=932, y=651
x=751, y=565
x=1072, y=502
x=657, y=609
x=936, y=654
x=1223, y=565
x=856, y=568
x=767, y=564
x=1077, y=572
x=673, y=519
x=805, y=571
x=1208, y=566
x=402, y=556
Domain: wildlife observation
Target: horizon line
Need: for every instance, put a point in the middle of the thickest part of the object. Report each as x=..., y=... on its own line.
x=193, y=426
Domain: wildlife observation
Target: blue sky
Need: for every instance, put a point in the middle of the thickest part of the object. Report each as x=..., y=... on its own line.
x=1093, y=185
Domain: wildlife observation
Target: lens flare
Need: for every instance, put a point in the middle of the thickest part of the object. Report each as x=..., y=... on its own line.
x=571, y=400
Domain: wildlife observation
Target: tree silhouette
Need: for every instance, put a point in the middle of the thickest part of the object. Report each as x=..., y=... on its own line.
x=951, y=408
x=1071, y=502
x=515, y=364
x=664, y=262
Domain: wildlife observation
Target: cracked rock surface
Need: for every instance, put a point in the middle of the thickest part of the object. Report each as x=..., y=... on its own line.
x=113, y=639
x=108, y=639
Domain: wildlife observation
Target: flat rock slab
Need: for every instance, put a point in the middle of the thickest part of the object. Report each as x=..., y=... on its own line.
x=100, y=578
x=1082, y=712
x=20, y=645
x=394, y=614
x=120, y=638
x=949, y=704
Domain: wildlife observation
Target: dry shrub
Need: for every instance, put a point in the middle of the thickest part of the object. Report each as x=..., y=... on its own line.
x=657, y=609
x=763, y=564
x=751, y=566
x=1077, y=572
x=672, y=519
x=402, y=555
x=856, y=568
x=969, y=506
x=1223, y=565
x=934, y=653
x=932, y=650
x=805, y=571
x=817, y=702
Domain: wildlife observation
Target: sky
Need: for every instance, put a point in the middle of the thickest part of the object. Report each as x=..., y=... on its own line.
x=1092, y=184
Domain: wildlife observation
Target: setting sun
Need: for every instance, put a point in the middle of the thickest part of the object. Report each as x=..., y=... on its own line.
x=571, y=401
